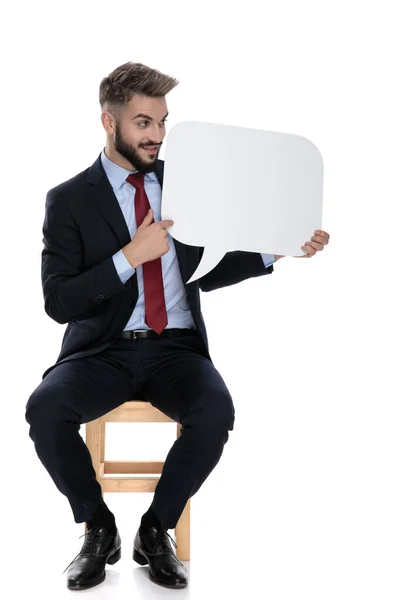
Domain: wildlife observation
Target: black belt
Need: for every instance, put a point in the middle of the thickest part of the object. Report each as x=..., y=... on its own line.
x=132, y=334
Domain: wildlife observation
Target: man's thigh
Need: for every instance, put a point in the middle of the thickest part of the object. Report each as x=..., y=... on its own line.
x=185, y=385
x=83, y=390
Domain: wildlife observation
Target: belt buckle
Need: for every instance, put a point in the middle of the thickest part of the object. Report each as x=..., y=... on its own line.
x=135, y=331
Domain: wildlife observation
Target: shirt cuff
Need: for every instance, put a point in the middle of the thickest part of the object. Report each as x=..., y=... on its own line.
x=123, y=266
x=268, y=259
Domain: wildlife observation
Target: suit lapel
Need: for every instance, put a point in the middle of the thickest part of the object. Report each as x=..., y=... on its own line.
x=102, y=194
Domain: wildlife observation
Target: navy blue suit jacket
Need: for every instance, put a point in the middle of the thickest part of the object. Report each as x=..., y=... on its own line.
x=83, y=227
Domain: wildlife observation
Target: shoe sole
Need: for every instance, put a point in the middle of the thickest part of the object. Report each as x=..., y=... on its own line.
x=111, y=560
x=142, y=560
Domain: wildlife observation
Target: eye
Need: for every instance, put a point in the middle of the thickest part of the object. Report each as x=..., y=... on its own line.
x=145, y=122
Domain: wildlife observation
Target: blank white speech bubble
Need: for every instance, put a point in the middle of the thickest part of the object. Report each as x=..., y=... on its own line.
x=233, y=188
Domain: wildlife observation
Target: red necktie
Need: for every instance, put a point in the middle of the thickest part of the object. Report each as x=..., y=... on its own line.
x=155, y=309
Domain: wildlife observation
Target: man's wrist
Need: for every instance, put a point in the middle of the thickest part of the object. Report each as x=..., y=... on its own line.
x=131, y=258
x=278, y=256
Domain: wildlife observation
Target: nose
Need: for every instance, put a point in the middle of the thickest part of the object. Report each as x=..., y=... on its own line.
x=157, y=136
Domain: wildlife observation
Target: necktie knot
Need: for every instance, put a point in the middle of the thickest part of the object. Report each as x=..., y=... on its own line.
x=136, y=179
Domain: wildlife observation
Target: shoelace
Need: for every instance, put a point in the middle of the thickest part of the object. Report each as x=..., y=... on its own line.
x=88, y=551
x=159, y=537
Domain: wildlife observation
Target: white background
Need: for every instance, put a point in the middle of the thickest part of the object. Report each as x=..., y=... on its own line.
x=304, y=502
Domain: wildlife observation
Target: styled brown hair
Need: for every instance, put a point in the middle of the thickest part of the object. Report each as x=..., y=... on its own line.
x=129, y=79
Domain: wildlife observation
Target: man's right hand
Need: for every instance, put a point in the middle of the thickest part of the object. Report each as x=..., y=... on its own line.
x=149, y=242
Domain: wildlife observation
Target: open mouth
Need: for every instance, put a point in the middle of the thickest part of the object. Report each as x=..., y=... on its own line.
x=151, y=149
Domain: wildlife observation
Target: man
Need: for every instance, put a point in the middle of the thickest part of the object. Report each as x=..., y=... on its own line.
x=135, y=328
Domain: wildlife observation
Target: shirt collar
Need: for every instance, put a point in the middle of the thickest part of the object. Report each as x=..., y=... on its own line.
x=117, y=175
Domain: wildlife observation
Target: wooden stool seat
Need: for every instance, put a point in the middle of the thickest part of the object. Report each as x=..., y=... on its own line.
x=131, y=412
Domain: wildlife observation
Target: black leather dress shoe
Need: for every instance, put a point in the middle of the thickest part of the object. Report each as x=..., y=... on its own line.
x=88, y=568
x=153, y=548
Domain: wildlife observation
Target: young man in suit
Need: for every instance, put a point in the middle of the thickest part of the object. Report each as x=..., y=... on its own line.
x=135, y=329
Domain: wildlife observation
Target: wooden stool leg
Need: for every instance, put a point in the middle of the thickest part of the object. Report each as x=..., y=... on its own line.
x=182, y=529
x=182, y=534
x=95, y=441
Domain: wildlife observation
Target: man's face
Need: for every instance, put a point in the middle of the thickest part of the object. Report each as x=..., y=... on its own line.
x=134, y=133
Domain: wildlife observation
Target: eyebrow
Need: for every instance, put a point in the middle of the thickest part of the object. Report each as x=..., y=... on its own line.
x=148, y=116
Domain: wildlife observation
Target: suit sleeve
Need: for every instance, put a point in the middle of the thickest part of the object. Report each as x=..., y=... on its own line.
x=68, y=292
x=233, y=268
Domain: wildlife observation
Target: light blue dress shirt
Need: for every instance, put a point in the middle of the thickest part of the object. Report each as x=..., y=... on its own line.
x=178, y=309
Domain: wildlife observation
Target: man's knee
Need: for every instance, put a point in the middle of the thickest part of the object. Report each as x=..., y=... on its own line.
x=45, y=406
x=225, y=413
x=217, y=414
x=35, y=407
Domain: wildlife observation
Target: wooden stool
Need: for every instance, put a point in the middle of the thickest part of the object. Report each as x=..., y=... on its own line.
x=132, y=412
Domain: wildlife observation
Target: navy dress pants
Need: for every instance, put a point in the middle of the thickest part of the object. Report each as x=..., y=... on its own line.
x=173, y=375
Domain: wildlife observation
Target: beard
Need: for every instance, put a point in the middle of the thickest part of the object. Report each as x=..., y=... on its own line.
x=139, y=158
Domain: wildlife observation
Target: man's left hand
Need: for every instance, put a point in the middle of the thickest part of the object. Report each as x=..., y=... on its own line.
x=319, y=240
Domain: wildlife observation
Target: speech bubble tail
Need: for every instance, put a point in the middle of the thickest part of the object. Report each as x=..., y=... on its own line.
x=210, y=259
